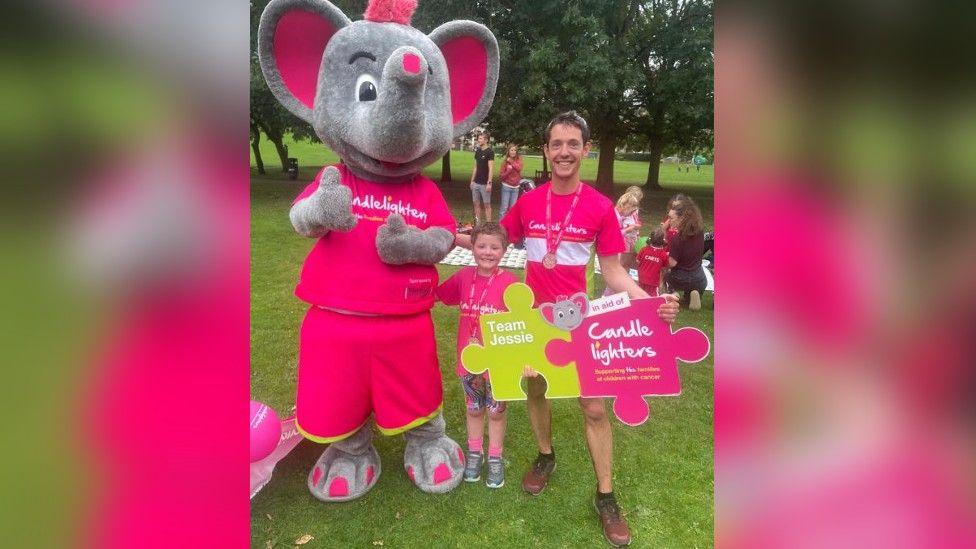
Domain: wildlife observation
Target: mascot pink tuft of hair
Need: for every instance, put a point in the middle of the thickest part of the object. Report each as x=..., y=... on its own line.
x=390, y=11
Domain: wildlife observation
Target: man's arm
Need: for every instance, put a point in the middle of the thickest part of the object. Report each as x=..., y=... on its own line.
x=619, y=281
x=617, y=278
x=491, y=167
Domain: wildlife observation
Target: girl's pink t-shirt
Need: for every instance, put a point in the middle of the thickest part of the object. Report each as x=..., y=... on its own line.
x=344, y=271
x=456, y=290
x=593, y=224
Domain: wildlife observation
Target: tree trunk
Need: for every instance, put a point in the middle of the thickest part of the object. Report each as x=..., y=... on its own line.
x=604, y=171
x=279, y=143
x=545, y=168
x=446, y=168
x=654, y=169
x=256, y=147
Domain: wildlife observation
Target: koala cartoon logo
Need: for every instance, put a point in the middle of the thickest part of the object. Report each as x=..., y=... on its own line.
x=566, y=314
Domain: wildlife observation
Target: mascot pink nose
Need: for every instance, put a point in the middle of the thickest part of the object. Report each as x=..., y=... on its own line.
x=411, y=63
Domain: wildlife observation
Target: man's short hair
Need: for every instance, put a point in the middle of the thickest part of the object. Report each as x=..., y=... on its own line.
x=569, y=118
x=490, y=228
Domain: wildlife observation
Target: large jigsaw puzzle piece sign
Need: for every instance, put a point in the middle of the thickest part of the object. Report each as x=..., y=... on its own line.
x=515, y=339
x=628, y=354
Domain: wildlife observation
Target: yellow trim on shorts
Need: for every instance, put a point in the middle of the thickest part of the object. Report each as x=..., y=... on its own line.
x=326, y=440
x=412, y=424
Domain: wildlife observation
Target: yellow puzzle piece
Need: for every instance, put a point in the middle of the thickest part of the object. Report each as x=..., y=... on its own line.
x=513, y=340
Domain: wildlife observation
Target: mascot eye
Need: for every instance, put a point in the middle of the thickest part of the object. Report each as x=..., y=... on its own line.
x=365, y=88
x=572, y=312
x=561, y=314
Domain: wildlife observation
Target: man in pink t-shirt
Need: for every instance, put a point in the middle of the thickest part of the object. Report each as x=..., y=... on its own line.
x=561, y=222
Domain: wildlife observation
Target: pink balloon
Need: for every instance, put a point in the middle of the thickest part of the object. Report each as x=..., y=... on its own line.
x=265, y=431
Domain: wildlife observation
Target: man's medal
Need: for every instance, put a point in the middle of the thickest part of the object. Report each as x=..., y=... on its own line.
x=549, y=260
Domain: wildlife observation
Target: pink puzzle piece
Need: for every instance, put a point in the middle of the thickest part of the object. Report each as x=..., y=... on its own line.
x=627, y=354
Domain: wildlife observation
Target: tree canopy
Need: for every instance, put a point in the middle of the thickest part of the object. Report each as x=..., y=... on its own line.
x=640, y=72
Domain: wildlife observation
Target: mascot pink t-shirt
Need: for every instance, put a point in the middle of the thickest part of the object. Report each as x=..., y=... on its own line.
x=343, y=270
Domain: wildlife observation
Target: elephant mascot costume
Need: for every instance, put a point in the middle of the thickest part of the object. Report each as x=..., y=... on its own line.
x=388, y=100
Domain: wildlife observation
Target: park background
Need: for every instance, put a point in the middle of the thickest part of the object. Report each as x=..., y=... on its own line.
x=656, y=115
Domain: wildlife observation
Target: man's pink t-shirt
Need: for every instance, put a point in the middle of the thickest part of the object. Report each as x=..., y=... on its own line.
x=343, y=271
x=456, y=290
x=594, y=222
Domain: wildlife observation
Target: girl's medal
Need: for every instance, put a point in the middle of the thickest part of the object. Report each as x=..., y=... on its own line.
x=475, y=308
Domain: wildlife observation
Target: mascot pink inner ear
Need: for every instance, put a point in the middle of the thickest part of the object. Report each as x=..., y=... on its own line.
x=581, y=302
x=467, y=67
x=299, y=41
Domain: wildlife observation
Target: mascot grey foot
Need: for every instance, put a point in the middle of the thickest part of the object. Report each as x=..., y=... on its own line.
x=350, y=467
x=434, y=462
x=347, y=469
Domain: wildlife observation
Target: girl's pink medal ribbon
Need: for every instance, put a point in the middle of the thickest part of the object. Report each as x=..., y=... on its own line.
x=475, y=308
x=549, y=260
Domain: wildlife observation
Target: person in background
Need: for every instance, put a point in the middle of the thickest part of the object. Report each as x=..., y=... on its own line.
x=652, y=262
x=626, y=209
x=669, y=230
x=510, y=176
x=686, y=249
x=481, y=180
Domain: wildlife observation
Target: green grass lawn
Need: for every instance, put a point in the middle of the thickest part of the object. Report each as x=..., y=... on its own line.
x=662, y=469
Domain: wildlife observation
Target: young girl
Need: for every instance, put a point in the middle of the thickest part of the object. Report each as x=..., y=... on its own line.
x=478, y=290
x=626, y=209
x=652, y=261
x=510, y=175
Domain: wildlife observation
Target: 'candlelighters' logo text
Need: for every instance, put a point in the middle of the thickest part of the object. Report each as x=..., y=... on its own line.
x=386, y=204
x=570, y=229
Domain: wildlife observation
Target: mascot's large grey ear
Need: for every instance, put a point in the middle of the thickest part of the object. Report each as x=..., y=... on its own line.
x=292, y=37
x=471, y=52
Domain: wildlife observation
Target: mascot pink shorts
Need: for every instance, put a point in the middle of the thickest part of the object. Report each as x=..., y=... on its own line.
x=352, y=366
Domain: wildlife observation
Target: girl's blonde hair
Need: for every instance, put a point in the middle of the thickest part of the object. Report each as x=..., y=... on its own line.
x=627, y=199
x=636, y=191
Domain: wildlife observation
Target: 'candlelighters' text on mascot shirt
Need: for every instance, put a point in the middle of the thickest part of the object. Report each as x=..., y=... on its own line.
x=389, y=100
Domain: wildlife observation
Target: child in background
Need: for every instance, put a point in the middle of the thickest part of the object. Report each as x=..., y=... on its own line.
x=652, y=260
x=626, y=210
x=478, y=290
x=638, y=193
